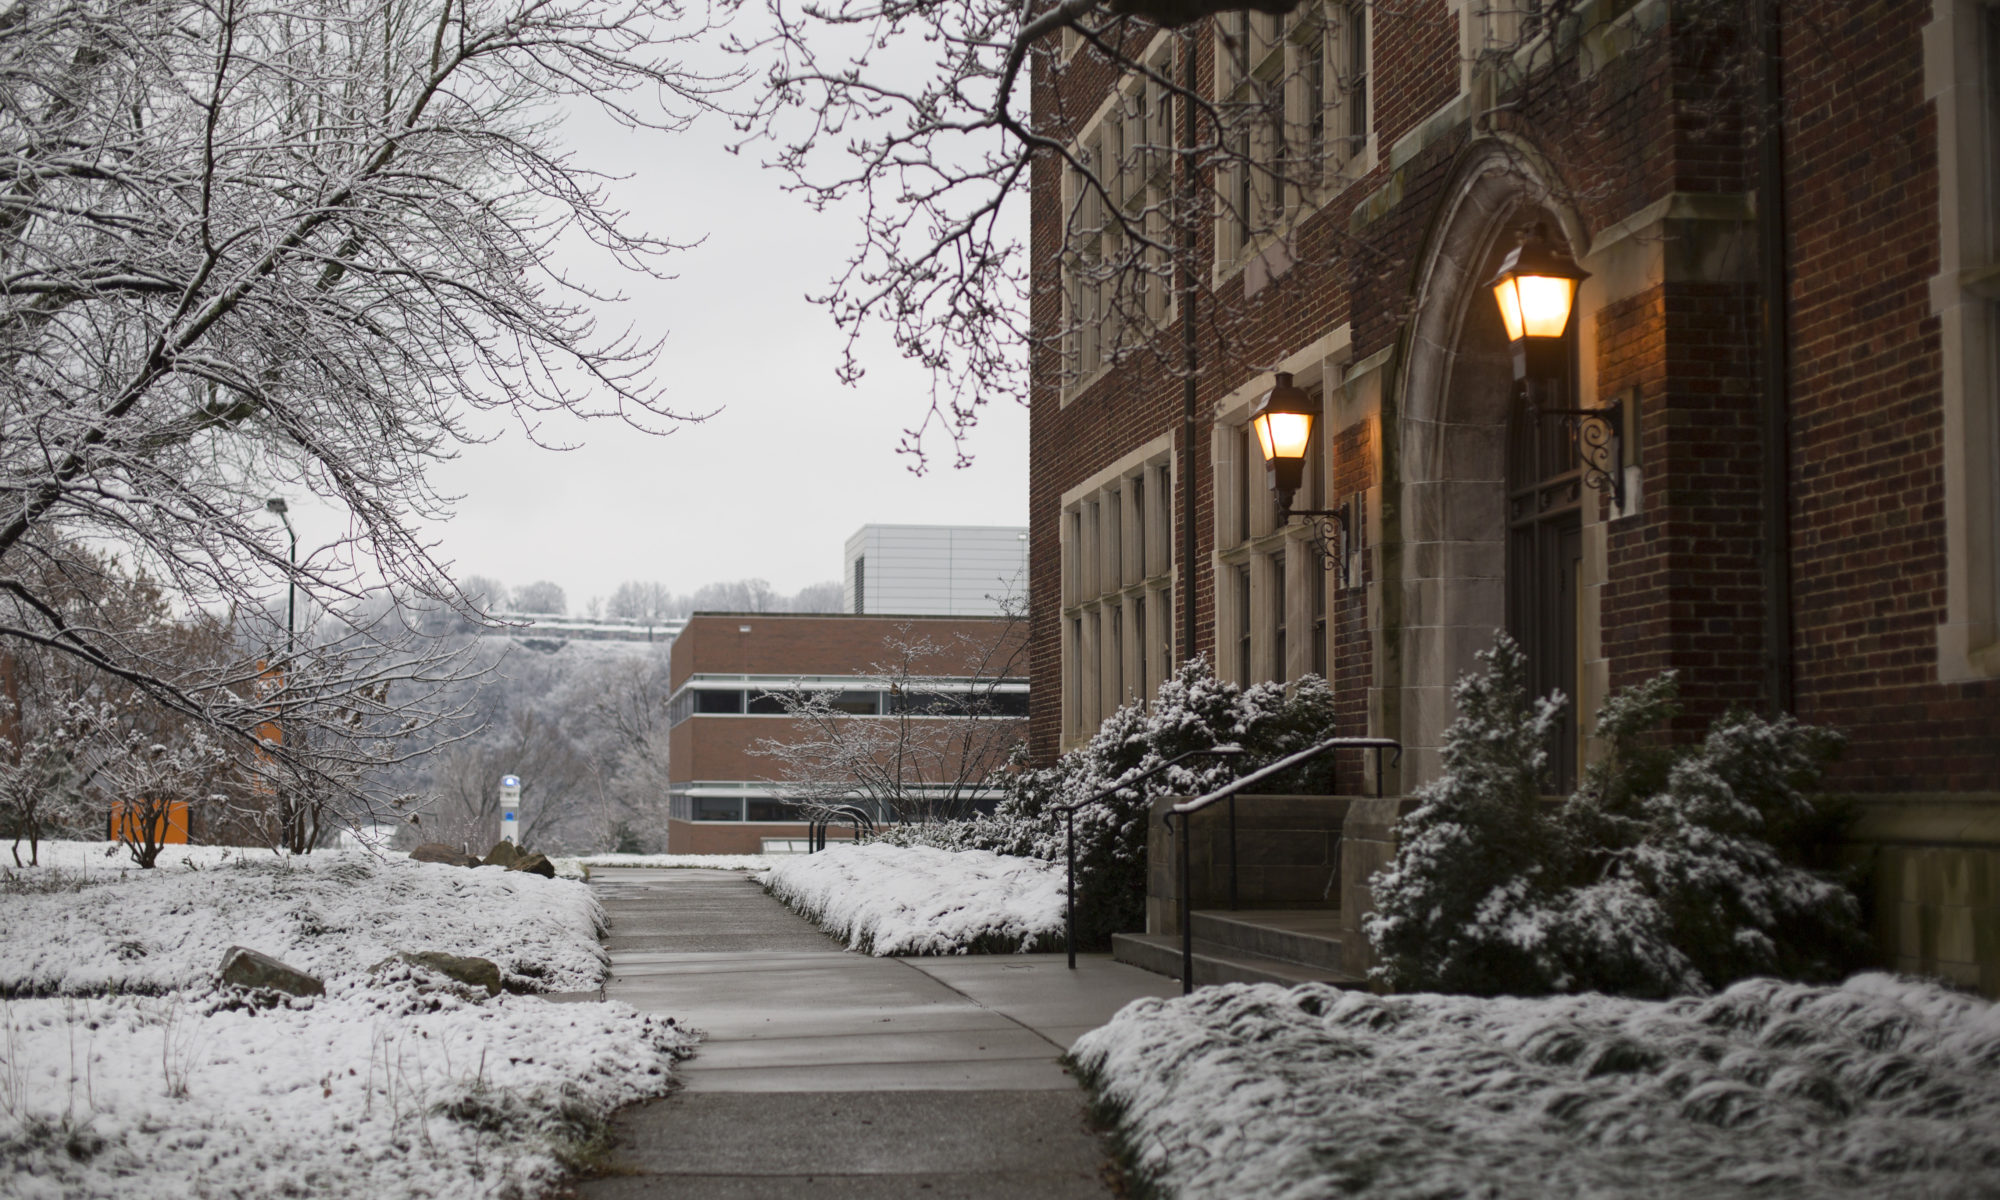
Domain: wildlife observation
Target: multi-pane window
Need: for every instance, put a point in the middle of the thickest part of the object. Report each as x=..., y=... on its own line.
x=1117, y=185
x=1271, y=585
x=1293, y=90
x=1117, y=592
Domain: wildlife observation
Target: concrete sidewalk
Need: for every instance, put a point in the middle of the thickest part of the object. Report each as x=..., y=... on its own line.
x=833, y=1074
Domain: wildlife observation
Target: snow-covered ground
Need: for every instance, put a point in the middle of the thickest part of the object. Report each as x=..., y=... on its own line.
x=100, y=858
x=1879, y=1087
x=887, y=899
x=133, y=1074
x=329, y=911
x=713, y=862
x=371, y=1090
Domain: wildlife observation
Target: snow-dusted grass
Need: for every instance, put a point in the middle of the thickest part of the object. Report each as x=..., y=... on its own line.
x=713, y=862
x=102, y=858
x=371, y=1090
x=134, y=1074
x=1879, y=1087
x=326, y=912
x=885, y=899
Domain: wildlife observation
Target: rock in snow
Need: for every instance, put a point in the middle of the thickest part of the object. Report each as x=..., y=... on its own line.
x=245, y=968
x=465, y=969
x=438, y=852
x=534, y=864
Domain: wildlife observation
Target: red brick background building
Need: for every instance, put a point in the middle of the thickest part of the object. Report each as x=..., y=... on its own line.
x=730, y=670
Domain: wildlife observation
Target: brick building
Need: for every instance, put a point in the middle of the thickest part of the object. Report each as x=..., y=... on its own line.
x=1790, y=327
x=946, y=691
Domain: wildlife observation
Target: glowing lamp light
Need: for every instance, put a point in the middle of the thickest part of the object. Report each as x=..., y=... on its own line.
x=1536, y=291
x=1282, y=421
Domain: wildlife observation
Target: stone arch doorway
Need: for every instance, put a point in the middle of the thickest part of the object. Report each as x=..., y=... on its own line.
x=1489, y=507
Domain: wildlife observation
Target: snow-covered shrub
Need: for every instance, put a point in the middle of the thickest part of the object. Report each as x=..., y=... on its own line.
x=1192, y=710
x=1879, y=1087
x=883, y=900
x=1672, y=870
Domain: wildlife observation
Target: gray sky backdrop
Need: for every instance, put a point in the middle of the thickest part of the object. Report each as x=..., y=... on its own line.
x=795, y=462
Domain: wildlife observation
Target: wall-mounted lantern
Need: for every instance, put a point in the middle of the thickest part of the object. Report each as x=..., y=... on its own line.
x=1536, y=291
x=1282, y=422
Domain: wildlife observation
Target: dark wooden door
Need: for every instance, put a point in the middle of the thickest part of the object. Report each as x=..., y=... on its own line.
x=1544, y=564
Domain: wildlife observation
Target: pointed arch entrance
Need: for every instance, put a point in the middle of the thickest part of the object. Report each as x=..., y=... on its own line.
x=1490, y=500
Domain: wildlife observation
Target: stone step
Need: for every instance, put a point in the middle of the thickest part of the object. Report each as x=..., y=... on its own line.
x=1309, y=937
x=1215, y=963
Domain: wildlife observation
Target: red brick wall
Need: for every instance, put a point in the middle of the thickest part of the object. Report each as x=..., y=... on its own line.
x=1685, y=587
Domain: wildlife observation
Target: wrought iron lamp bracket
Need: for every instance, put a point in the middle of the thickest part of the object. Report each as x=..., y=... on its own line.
x=1322, y=524
x=1600, y=446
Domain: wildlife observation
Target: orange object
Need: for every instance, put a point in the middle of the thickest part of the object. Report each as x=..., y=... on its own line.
x=171, y=825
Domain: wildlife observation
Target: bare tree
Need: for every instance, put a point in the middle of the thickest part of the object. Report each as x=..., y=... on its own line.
x=635, y=600
x=742, y=595
x=541, y=598
x=952, y=115
x=44, y=780
x=930, y=753
x=249, y=248
x=819, y=598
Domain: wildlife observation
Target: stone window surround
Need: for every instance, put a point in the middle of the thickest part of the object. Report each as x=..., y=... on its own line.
x=1272, y=247
x=1161, y=310
x=1962, y=75
x=1320, y=366
x=1092, y=685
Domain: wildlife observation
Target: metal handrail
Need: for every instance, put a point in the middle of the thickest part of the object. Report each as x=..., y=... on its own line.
x=816, y=831
x=1069, y=828
x=1187, y=808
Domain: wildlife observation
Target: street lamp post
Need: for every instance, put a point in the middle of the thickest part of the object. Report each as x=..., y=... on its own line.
x=278, y=506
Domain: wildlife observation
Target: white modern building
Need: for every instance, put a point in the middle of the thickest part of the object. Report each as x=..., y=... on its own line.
x=936, y=570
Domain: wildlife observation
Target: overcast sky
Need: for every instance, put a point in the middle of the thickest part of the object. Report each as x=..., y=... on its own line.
x=772, y=485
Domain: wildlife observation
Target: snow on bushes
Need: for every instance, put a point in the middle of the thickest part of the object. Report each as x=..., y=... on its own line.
x=325, y=913
x=884, y=899
x=1878, y=1087
x=1193, y=710
x=1670, y=871
x=371, y=1090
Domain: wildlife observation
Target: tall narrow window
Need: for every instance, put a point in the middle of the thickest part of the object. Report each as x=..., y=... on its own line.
x=1244, y=449
x=1278, y=669
x=1319, y=650
x=1116, y=665
x=1137, y=550
x=1074, y=692
x=861, y=583
x=1243, y=625
x=1145, y=648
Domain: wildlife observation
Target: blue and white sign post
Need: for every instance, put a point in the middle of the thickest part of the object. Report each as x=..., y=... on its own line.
x=510, y=809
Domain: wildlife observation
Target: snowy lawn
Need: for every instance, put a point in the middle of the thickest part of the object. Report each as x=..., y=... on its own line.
x=713, y=862
x=133, y=1074
x=919, y=900
x=330, y=911
x=372, y=1090
x=1879, y=1087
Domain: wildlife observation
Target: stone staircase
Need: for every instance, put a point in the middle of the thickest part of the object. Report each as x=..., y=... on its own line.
x=1284, y=946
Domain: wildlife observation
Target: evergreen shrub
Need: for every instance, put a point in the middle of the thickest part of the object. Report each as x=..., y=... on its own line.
x=1192, y=710
x=1672, y=870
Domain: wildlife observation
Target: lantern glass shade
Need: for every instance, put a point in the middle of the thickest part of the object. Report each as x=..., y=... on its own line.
x=1283, y=435
x=1535, y=306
